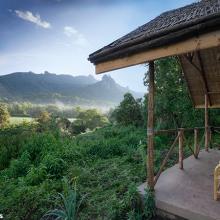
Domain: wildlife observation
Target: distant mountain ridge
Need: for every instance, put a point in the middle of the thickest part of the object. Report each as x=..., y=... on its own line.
x=51, y=88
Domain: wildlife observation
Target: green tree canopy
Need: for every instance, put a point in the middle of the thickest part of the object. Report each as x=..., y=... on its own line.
x=129, y=111
x=44, y=117
x=88, y=119
x=173, y=105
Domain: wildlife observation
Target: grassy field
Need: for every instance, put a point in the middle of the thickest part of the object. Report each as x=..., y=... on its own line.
x=19, y=120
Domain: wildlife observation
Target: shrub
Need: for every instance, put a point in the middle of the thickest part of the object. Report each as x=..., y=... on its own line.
x=25, y=202
x=19, y=167
x=39, y=145
x=36, y=175
x=54, y=166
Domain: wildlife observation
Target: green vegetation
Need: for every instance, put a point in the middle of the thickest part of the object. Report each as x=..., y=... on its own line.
x=32, y=171
x=128, y=112
x=88, y=119
x=70, y=205
x=4, y=116
x=149, y=204
x=106, y=157
x=27, y=109
x=173, y=106
x=20, y=120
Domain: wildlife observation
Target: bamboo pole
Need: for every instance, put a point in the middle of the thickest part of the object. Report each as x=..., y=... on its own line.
x=206, y=124
x=180, y=134
x=196, y=143
x=166, y=159
x=150, y=128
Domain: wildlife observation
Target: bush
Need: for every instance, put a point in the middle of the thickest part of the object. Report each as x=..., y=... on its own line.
x=26, y=202
x=19, y=167
x=36, y=175
x=54, y=165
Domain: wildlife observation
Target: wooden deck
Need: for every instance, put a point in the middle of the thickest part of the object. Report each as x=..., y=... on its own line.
x=188, y=193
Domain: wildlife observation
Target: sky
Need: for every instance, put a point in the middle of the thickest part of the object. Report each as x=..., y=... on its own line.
x=58, y=35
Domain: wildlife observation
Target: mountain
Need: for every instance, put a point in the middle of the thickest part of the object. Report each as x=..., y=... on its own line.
x=50, y=88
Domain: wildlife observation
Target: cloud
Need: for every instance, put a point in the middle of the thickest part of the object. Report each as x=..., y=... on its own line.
x=36, y=19
x=78, y=38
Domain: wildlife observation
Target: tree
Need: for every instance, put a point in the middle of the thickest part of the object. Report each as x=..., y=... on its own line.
x=77, y=127
x=129, y=111
x=88, y=119
x=173, y=106
x=45, y=121
x=4, y=116
x=62, y=123
x=44, y=117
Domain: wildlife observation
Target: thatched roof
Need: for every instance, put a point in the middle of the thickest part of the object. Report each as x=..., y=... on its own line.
x=202, y=73
x=168, y=28
x=191, y=33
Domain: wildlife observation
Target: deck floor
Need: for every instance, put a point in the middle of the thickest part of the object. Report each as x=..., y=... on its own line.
x=188, y=193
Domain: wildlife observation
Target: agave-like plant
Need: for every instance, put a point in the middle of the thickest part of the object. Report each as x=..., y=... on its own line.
x=69, y=207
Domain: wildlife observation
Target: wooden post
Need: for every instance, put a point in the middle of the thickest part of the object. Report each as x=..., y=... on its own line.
x=150, y=128
x=180, y=134
x=206, y=124
x=210, y=136
x=196, y=143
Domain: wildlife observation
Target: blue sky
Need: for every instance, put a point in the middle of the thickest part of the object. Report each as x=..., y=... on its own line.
x=58, y=35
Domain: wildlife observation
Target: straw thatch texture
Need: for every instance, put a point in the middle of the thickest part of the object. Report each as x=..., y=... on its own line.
x=199, y=84
x=170, y=27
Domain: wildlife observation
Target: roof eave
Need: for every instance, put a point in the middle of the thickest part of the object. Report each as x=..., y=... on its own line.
x=161, y=39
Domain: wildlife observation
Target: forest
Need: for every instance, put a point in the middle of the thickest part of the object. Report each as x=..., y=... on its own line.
x=90, y=168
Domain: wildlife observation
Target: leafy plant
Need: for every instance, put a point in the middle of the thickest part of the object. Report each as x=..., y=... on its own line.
x=69, y=207
x=19, y=167
x=55, y=166
x=149, y=204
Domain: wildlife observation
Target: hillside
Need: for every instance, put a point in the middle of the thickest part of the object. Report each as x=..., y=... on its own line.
x=52, y=88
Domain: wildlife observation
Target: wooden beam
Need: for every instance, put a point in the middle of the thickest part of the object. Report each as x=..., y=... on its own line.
x=181, y=156
x=202, y=75
x=150, y=128
x=214, y=92
x=186, y=79
x=211, y=107
x=199, y=42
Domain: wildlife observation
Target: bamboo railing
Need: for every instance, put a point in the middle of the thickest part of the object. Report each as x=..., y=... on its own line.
x=181, y=139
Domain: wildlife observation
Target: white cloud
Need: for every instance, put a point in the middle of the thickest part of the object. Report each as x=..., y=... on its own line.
x=36, y=19
x=78, y=38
